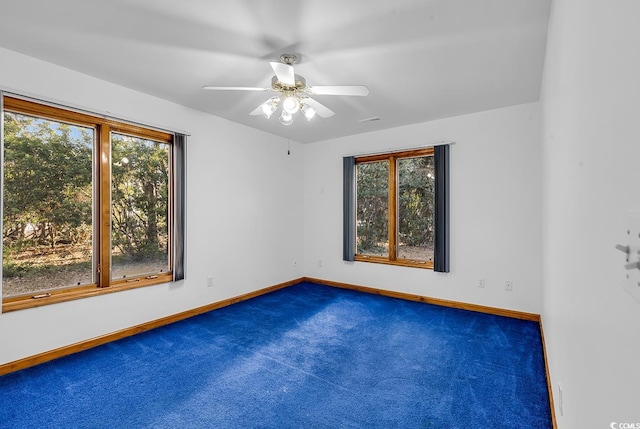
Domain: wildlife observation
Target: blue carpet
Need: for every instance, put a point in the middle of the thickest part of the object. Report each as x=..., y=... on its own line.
x=308, y=356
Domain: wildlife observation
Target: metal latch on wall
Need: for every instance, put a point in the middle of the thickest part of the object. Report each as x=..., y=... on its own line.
x=627, y=251
x=631, y=279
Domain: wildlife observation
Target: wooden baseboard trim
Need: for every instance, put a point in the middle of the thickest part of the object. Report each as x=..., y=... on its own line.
x=127, y=332
x=549, y=384
x=436, y=301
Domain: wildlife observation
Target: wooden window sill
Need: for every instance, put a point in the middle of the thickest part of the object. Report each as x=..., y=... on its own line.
x=70, y=294
x=398, y=262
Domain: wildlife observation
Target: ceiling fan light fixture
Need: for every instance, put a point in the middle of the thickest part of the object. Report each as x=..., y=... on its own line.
x=292, y=93
x=286, y=118
x=267, y=110
x=270, y=106
x=308, y=112
x=291, y=104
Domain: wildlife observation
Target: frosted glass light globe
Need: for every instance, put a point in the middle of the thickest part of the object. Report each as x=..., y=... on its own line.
x=291, y=105
x=286, y=118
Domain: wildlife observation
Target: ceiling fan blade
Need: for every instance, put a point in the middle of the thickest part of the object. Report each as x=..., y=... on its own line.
x=258, y=111
x=234, y=88
x=284, y=73
x=322, y=110
x=359, y=90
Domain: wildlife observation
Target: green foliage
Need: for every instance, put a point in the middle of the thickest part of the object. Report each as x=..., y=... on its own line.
x=139, y=193
x=11, y=269
x=372, y=192
x=47, y=181
x=49, y=188
x=416, y=186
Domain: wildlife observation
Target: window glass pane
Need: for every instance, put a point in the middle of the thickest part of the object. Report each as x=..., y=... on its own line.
x=47, y=226
x=372, y=208
x=139, y=206
x=416, y=183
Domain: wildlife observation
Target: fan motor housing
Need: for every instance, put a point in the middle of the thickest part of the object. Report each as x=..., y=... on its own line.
x=300, y=85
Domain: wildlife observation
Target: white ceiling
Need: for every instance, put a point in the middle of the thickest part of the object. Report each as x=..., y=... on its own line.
x=421, y=59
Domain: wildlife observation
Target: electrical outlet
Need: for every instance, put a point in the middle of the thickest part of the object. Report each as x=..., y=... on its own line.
x=295, y=263
x=209, y=281
x=481, y=282
x=319, y=262
x=508, y=285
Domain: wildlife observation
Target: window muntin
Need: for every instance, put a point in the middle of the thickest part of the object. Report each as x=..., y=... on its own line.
x=44, y=290
x=409, y=220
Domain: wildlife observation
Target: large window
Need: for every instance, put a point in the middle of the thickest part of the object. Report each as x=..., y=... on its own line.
x=399, y=206
x=87, y=205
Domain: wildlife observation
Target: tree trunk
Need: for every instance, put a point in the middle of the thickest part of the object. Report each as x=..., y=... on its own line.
x=152, y=218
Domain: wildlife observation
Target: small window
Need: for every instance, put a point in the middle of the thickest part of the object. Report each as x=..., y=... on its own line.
x=394, y=198
x=87, y=205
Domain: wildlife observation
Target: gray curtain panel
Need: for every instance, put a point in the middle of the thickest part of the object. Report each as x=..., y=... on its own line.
x=179, y=165
x=442, y=246
x=349, y=209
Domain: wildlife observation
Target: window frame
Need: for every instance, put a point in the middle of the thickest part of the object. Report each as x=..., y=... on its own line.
x=102, y=200
x=392, y=215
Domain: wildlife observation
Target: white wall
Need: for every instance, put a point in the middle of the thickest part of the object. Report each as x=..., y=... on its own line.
x=586, y=174
x=591, y=158
x=495, y=209
x=244, y=213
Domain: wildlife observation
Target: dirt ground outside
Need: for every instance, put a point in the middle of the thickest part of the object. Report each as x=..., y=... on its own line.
x=45, y=269
x=415, y=253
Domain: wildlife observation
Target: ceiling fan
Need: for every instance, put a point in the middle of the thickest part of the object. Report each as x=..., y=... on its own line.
x=293, y=93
